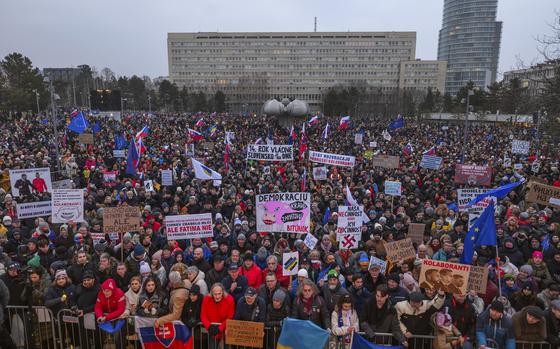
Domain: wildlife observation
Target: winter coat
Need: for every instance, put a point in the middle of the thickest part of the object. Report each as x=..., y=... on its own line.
x=86, y=297
x=131, y=298
x=520, y=301
x=239, y=291
x=418, y=322
x=255, y=312
x=4, y=298
x=552, y=328
x=331, y=297
x=54, y=294
x=15, y=287
x=34, y=293
x=200, y=281
x=191, y=312
x=514, y=255
x=360, y=298
x=159, y=301
x=464, y=317
x=177, y=299
x=525, y=331
x=267, y=294
x=541, y=274
x=133, y=264
x=283, y=280
x=501, y=331
x=214, y=276
x=318, y=315
x=545, y=298
x=382, y=320
x=274, y=317
x=213, y=312
x=397, y=294
x=254, y=275
x=349, y=319
x=112, y=307
x=441, y=334
x=76, y=271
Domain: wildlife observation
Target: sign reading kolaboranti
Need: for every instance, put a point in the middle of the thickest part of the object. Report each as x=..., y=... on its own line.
x=266, y=152
x=332, y=159
x=67, y=205
x=283, y=212
x=189, y=226
x=446, y=276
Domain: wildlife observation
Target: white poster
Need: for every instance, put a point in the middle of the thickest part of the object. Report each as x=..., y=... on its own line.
x=310, y=241
x=535, y=167
x=358, y=138
x=167, y=177
x=283, y=212
x=189, y=150
x=189, y=226
x=464, y=196
x=62, y=184
x=507, y=162
x=320, y=173
x=332, y=159
x=266, y=152
x=34, y=209
x=393, y=188
x=149, y=185
x=349, y=226
x=431, y=162
x=67, y=205
x=376, y=262
x=520, y=147
x=290, y=261
x=119, y=153
x=373, y=144
x=30, y=180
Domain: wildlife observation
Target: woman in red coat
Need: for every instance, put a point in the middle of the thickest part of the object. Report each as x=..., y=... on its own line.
x=217, y=307
x=110, y=303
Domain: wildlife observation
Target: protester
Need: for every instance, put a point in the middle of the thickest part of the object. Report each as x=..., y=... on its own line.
x=493, y=324
x=217, y=307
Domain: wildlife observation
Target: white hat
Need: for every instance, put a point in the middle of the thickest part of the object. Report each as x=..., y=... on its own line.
x=303, y=272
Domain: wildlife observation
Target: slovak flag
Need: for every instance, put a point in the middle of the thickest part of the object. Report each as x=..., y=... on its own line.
x=172, y=335
x=259, y=141
x=195, y=136
x=314, y=121
x=140, y=147
x=304, y=179
x=431, y=151
x=74, y=113
x=144, y=132
x=293, y=136
x=199, y=123
x=325, y=133
x=408, y=149
x=344, y=123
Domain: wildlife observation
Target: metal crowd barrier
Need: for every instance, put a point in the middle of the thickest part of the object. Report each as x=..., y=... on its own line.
x=37, y=328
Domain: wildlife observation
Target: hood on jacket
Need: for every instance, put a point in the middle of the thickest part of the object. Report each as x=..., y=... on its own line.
x=109, y=284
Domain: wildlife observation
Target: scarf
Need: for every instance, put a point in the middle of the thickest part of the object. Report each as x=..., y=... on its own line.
x=307, y=305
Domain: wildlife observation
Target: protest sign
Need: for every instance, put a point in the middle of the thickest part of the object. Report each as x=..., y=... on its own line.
x=385, y=161
x=290, y=262
x=110, y=178
x=266, y=170
x=67, y=205
x=358, y=138
x=543, y=194
x=62, y=184
x=349, y=226
x=478, y=279
x=373, y=144
x=320, y=173
x=189, y=226
x=507, y=162
x=121, y=219
x=85, y=138
x=393, y=188
x=244, y=333
x=119, y=153
x=376, y=262
x=34, y=209
x=24, y=182
x=283, y=212
x=520, y=147
x=535, y=167
x=310, y=241
x=332, y=159
x=473, y=174
x=189, y=150
x=399, y=250
x=446, y=276
x=416, y=232
x=272, y=152
x=149, y=185
x=431, y=162
x=464, y=196
x=517, y=166
x=349, y=240
x=167, y=177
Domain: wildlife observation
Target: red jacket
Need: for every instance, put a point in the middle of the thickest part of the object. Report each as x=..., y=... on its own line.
x=111, y=307
x=253, y=275
x=283, y=280
x=217, y=313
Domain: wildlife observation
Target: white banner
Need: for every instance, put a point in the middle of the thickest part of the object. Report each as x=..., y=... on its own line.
x=320, y=173
x=431, y=162
x=167, y=177
x=464, y=196
x=332, y=159
x=189, y=226
x=30, y=180
x=520, y=147
x=34, y=209
x=67, y=205
x=283, y=212
x=393, y=188
x=265, y=152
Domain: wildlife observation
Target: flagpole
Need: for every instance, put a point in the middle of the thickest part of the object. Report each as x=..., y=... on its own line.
x=498, y=272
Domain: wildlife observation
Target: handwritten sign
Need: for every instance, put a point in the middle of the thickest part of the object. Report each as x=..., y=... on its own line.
x=478, y=279
x=543, y=194
x=244, y=333
x=416, y=232
x=85, y=138
x=120, y=219
x=399, y=250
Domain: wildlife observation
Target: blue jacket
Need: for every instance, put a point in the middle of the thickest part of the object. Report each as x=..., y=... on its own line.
x=239, y=291
x=500, y=331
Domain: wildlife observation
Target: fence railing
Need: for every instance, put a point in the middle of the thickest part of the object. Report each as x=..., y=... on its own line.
x=38, y=328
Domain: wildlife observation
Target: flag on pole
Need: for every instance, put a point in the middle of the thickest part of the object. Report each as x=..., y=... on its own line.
x=132, y=158
x=325, y=133
x=269, y=138
x=203, y=172
x=431, y=151
x=314, y=121
x=304, y=180
x=195, y=136
x=212, y=130
x=303, y=142
x=344, y=123
x=326, y=216
x=499, y=192
x=144, y=132
x=398, y=123
x=259, y=141
x=227, y=142
x=199, y=123
x=293, y=136
x=120, y=141
x=78, y=124
x=140, y=147
x=386, y=135
x=483, y=232
x=408, y=149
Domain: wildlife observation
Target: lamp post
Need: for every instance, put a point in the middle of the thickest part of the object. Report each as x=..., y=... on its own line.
x=122, y=105
x=54, y=120
x=37, y=100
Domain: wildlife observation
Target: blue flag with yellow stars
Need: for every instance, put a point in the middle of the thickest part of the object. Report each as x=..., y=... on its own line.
x=483, y=232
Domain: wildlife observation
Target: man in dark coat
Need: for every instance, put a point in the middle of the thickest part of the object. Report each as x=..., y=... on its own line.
x=380, y=317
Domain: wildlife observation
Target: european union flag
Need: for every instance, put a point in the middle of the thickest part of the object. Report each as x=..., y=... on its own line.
x=358, y=342
x=326, y=216
x=398, y=123
x=78, y=123
x=132, y=159
x=301, y=334
x=120, y=141
x=499, y=192
x=483, y=232
x=96, y=128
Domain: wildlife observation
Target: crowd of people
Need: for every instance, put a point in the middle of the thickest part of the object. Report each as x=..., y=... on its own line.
x=237, y=273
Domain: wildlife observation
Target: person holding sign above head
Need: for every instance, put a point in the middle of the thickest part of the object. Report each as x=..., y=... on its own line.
x=414, y=314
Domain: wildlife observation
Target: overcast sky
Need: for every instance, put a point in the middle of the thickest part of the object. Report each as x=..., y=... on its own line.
x=129, y=36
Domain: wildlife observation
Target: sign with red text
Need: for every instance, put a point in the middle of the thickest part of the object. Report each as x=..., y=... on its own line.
x=189, y=226
x=332, y=159
x=283, y=212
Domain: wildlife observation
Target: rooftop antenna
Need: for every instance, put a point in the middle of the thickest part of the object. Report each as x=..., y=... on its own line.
x=315, y=26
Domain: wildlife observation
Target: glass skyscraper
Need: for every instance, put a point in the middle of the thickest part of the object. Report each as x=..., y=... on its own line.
x=469, y=40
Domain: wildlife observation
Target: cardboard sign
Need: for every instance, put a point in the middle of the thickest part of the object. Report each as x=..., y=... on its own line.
x=34, y=209
x=290, y=263
x=67, y=205
x=283, y=212
x=121, y=219
x=416, y=232
x=244, y=333
x=446, y=276
x=167, y=177
x=265, y=152
x=543, y=194
x=478, y=279
x=320, y=173
x=30, y=180
x=85, y=138
x=385, y=161
x=332, y=159
x=399, y=250
x=520, y=147
x=189, y=226
x=376, y=262
x=310, y=241
x=393, y=188
x=473, y=174
x=431, y=162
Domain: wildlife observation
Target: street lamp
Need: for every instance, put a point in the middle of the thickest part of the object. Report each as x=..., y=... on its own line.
x=54, y=118
x=122, y=105
x=37, y=99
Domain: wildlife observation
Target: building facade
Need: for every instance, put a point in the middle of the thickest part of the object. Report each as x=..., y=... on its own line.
x=533, y=78
x=469, y=40
x=251, y=68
